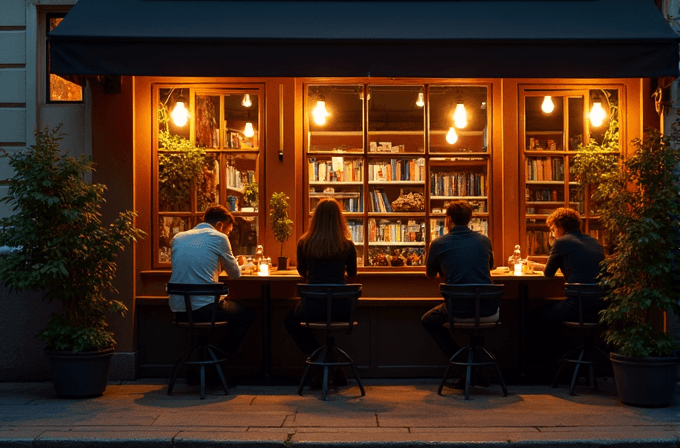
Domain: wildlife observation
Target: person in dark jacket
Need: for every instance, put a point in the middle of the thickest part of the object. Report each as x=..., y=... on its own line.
x=578, y=257
x=461, y=256
x=325, y=254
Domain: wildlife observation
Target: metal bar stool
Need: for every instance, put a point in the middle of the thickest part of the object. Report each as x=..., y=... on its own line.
x=204, y=353
x=329, y=355
x=587, y=353
x=472, y=327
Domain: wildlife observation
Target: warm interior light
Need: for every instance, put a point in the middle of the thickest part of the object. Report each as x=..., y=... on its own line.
x=518, y=268
x=548, y=105
x=319, y=113
x=420, y=102
x=249, y=131
x=264, y=269
x=246, y=102
x=597, y=113
x=180, y=114
x=460, y=116
x=451, y=136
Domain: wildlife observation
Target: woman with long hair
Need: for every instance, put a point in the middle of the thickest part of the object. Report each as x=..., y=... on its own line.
x=326, y=251
x=325, y=254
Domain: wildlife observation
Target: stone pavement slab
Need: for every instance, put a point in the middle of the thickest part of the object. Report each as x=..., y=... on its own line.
x=394, y=413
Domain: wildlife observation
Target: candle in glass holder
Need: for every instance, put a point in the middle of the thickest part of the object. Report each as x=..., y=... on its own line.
x=264, y=269
x=518, y=268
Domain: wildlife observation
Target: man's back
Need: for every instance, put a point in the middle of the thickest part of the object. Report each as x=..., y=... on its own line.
x=461, y=256
x=578, y=256
x=196, y=257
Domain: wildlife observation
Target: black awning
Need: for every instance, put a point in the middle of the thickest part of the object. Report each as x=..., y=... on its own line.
x=453, y=39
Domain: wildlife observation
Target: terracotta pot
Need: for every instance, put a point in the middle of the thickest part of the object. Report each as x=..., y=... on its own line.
x=646, y=382
x=80, y=374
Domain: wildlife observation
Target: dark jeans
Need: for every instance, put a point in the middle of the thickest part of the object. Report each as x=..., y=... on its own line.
x=546, y=339
x=433, y=321
x=314, y=311
x=239, y=318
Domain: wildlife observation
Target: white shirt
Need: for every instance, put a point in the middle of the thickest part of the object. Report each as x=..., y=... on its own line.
x=196, y=258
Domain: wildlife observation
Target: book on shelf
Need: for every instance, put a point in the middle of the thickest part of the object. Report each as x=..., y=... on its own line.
x=457, y=184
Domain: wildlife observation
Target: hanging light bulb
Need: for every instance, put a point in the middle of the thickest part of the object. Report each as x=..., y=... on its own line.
x=420, y=102
x=597, y=113
x=249, y=131
x=246, y=102
x=180, y=114
x=460, y=116
x=319, y=113
x=548, y=105
x=451, y=136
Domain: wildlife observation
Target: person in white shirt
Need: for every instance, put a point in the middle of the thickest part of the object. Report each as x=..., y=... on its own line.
x=198, y=256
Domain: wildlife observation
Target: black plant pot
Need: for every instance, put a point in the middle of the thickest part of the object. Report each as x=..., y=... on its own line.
x=282, y=264
x=80, y=375
x=645, y=382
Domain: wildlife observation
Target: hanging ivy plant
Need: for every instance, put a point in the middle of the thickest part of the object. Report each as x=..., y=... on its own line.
x=179, y=163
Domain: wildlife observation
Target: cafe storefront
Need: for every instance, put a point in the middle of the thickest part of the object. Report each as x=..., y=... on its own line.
x=392, y=108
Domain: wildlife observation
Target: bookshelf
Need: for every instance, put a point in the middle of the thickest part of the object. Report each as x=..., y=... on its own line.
x=388, y=162
x=548, y=142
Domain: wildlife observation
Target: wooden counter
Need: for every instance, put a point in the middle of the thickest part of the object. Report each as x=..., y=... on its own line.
x=389, y=341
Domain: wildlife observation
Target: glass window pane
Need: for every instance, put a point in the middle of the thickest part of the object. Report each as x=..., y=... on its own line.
x=208, y=121
x=169, y=123
x=242, y=129
x=169, y=226
x=242, y=182
x=335, y=118
x=395, y=122
x=207, y=183
x=245, y=235
x=458, y=119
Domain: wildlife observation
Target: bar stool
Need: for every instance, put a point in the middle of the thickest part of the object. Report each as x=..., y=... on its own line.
x=587, y=353
x=329, y=355
x=204, y=353
x=472, y=327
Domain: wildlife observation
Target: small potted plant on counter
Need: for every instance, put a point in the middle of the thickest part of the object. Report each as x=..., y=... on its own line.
x=640, y=206
x=282, y=225
x=62, y=248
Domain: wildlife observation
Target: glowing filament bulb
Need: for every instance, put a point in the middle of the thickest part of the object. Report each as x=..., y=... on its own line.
x=180, y=114
x=320, y=113
x=246, y=102
x=460, y=116
x=451, y=136
x=597, y=114
x=420, y=102
x=249, y=131
x=547, y=105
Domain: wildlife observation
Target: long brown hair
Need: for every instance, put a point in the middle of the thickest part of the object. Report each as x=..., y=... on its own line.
x=328, y=234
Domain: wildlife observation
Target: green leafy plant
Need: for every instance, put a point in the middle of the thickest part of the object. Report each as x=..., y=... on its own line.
x=596, y=161
x=641, y=208
x=282, y=225
x=60, y=245
x=251, y=193
x=179, y=164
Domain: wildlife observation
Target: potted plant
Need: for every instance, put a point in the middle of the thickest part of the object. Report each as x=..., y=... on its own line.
x=282, y=225
x=61, y=247
x=640, y=207
x=251, y=194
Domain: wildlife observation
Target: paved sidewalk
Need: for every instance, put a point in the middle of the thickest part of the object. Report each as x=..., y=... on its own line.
x=394, y=413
